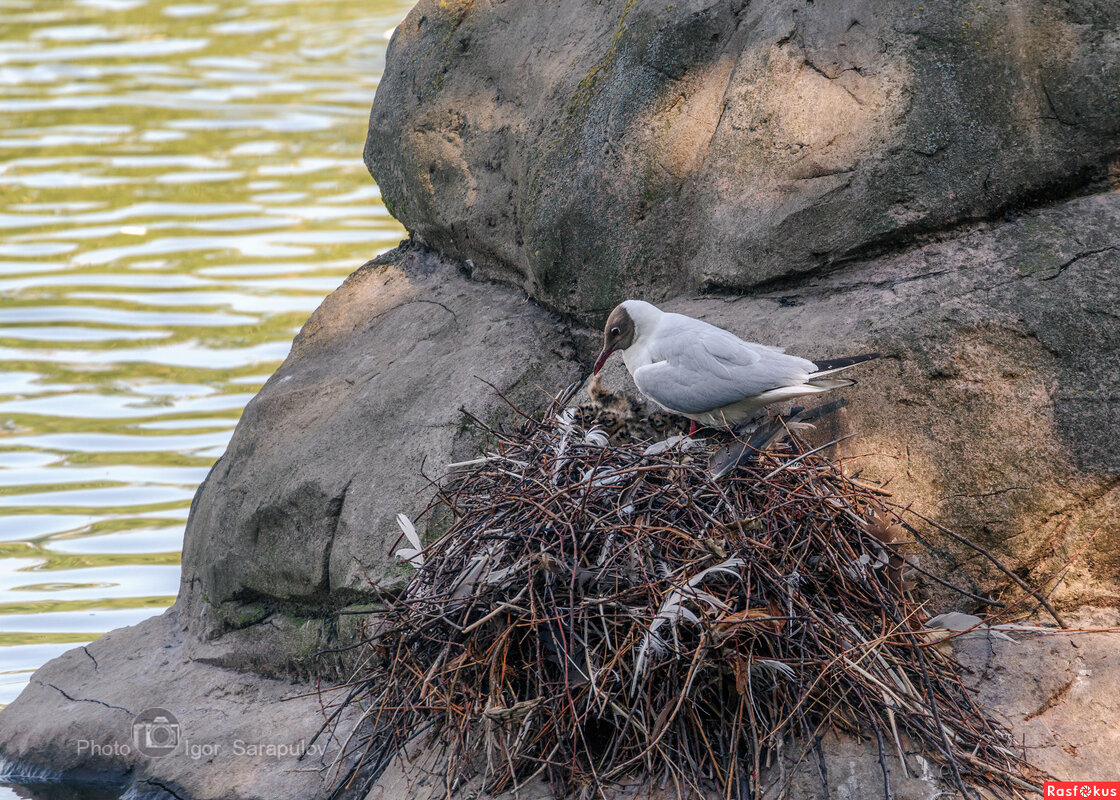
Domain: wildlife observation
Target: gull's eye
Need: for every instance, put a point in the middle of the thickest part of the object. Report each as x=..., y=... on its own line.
x=615, y=331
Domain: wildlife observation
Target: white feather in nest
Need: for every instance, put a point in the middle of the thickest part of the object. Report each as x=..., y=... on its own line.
x=590, y=479
x=413, y=555
x=775, y=667
x=479, y=571
x=597, y=437
x=565, y=421
x=958, y=625
x=673, y=610
x=683, y=443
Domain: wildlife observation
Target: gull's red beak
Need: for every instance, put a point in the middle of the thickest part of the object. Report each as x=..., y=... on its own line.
x=600, y=361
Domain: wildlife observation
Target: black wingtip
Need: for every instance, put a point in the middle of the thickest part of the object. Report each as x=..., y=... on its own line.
x=846, y=361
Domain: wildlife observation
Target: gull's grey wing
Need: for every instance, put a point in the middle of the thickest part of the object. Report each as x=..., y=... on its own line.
x=701, y=368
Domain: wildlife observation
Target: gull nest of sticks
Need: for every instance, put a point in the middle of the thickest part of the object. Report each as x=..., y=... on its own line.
x=588, y=613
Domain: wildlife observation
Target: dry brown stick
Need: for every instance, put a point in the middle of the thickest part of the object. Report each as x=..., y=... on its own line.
x=995, y=561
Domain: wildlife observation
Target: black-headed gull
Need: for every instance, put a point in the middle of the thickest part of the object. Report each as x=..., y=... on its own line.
x=705, y=373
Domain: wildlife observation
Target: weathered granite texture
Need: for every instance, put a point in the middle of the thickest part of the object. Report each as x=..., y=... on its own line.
x=590, y=151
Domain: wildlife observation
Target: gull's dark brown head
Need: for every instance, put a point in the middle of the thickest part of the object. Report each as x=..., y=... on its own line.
x=618, y=334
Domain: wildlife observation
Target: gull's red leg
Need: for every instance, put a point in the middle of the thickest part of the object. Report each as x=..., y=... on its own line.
x=692, y=427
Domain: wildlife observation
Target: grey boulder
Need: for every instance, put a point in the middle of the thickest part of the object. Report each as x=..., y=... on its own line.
x=299, y=514
x=590, y=151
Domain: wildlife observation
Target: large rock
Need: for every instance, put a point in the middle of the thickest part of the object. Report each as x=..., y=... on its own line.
x=994, y=412
x=298, y=515
x=591, y=150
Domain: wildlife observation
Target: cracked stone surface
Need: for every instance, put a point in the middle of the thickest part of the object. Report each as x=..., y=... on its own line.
x=1057, y=691
x=240, y=734
x=589, y=151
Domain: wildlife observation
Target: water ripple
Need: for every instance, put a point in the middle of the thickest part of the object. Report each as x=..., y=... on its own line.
x=181, y=183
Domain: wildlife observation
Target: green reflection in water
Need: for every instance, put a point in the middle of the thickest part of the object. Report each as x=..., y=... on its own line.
x=180, y=185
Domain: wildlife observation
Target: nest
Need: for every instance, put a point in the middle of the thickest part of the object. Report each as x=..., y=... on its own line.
x=594, y=612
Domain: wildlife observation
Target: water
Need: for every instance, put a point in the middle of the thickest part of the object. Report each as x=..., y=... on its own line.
x=180, y=185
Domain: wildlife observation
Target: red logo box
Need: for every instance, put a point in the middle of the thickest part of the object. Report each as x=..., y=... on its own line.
x=1081, y=790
